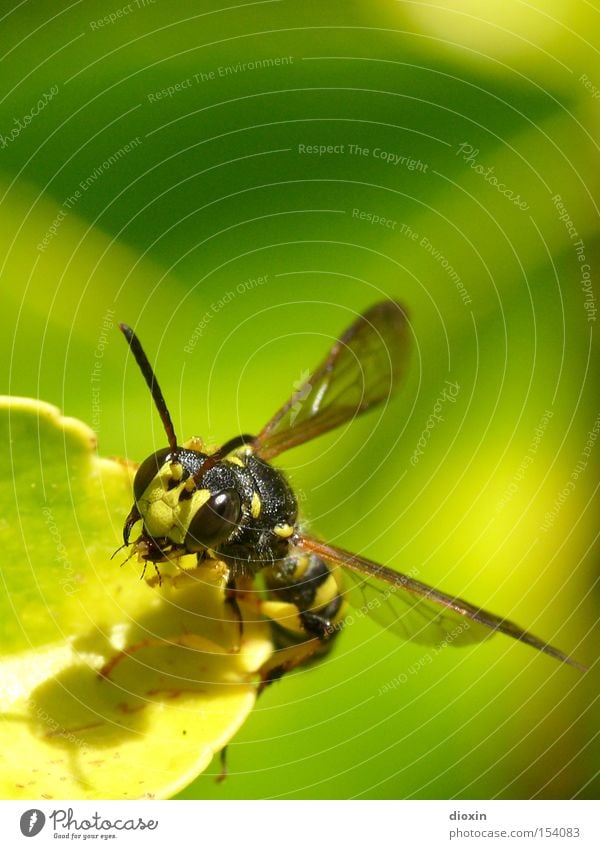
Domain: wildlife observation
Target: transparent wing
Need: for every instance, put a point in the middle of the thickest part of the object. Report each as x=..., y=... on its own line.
x=362, y=369
x=424, y=614
x=411, y=617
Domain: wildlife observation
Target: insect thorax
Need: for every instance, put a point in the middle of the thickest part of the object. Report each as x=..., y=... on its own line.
x=269, y=511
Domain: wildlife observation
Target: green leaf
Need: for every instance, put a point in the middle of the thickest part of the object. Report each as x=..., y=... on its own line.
x=168, y=704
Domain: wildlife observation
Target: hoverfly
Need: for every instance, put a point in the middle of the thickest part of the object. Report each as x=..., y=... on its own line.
x=233, y=508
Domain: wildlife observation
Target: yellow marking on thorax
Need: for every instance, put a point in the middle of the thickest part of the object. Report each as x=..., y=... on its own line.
x=255, y=506
x=236, y=461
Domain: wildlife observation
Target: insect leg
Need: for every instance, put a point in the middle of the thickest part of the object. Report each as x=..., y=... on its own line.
x=223, y=759
x=231, y=599
x=286, y=659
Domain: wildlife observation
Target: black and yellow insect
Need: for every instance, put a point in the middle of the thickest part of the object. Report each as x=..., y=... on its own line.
x=231, y=506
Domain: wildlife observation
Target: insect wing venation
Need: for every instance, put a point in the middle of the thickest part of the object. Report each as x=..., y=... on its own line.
x=362, y=370
x=404, y=587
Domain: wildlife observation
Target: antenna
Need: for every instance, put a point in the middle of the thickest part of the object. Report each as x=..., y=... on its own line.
x=146, y=369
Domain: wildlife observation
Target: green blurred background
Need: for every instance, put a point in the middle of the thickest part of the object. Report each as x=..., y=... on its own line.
x=161, y=209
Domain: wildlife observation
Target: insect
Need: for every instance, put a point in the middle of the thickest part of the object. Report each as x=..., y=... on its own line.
x=234, y=508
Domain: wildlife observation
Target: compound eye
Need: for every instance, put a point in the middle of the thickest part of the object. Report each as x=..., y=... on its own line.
x=215, y=521
x=148, y=471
